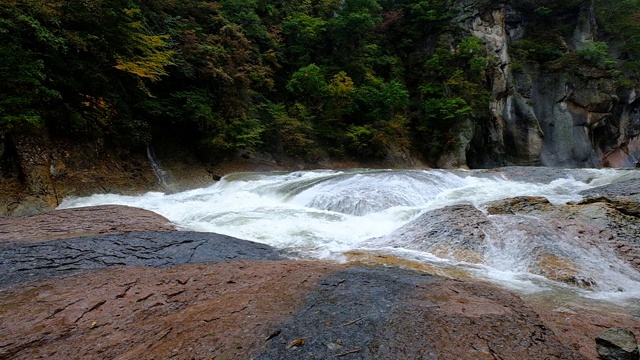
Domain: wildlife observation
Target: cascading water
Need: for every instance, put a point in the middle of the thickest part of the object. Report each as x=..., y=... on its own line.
x=161, y=174
x=325, y=214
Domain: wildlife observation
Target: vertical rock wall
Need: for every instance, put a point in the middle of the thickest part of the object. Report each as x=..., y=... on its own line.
x=513, y=134
x=37, y=173
x=547, y=117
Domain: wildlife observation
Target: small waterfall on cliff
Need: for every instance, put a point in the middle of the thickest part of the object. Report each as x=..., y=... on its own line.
x=161, y=174
x=419, y=215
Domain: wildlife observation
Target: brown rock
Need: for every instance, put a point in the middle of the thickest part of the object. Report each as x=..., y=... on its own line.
x=257, y=308
x=68, y=223
x=519, y=204
x=196, y=311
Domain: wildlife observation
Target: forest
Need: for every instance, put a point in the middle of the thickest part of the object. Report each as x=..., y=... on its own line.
x=308, y=79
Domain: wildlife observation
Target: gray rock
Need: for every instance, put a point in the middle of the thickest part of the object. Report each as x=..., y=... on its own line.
x=544, y=116
x=629, y=187
x=617, y=344
x=356, y=314
x=42, y=260
x=574, y=244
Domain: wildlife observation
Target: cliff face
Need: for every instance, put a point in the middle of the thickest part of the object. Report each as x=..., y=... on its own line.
x=543, y=116
x=37, y=172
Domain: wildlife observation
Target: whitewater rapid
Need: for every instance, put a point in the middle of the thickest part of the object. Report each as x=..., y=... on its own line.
x=325, y=213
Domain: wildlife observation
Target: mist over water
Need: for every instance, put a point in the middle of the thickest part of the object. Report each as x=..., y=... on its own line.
x=323, y=214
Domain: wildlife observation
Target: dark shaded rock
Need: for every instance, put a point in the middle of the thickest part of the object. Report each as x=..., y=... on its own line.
x=345, y=312
x=85, y=221
x=34, y=261
x=617, y=344
x=437, y=318
x=398, y=314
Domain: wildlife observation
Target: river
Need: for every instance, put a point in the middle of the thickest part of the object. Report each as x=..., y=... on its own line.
x=331, y=214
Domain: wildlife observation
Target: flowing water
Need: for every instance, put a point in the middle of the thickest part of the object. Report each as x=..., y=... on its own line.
x=161, y=174
x=336, y=214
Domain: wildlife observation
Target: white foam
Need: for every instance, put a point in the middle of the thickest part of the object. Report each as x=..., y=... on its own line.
x=326, y=213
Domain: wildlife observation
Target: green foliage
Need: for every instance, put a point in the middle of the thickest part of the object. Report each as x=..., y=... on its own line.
x=291, y=129
x=304, y=34
x=377, y=99
x=596, y=54
x=302, y=78
x=25, y=90
x=543, y=11
x=440, y=111
x=539, y=50
x=621, y=18
x=146, y=54
x=308, y=82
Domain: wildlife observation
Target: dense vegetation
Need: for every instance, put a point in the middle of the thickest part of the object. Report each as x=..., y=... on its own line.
x=306, y=78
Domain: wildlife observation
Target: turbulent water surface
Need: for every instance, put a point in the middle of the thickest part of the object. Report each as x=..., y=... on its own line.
x=325, y=214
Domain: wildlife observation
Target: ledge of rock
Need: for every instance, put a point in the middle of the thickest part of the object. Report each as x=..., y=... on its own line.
x=270, y=310
x=21, y=262
x=86, y=221
x=530, y=225
x=184, y=295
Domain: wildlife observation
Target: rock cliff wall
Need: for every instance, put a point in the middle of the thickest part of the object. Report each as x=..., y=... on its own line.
x=548, y=116
x=37, y=172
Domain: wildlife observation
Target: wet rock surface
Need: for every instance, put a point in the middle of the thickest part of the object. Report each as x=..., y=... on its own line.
x=627, y=188
x=34, y=261
x=270, y=310
x=624, y=196
x=542, y=238
x=391, y=313
x=92, y=220
x=617, y=344
x=224, y=310
x=184, y=295
x=456, y=232
x=596, y=222
x=117, y=282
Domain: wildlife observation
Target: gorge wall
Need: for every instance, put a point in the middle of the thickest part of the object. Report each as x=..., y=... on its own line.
x=549, y=116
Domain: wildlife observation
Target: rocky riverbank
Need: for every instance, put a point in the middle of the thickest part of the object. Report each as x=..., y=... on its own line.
x=138, y=289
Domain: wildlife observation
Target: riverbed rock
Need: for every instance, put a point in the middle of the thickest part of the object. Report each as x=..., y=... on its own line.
x=623, y=195
x=22, y=262
x=532, y=235
x=262, y=309
x=455, y=232
x=593, y=225
x=84, y=221
x=183, y=295
x=617, y=344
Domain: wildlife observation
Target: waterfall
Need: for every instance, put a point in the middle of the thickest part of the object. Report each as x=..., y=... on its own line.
x=161, y=174
x=413, y=214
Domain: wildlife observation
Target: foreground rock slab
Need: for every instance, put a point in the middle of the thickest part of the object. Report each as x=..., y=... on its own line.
x=86, y=221
x=270, y=310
